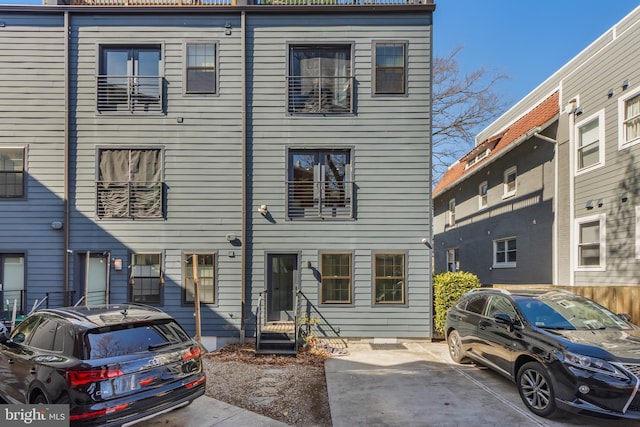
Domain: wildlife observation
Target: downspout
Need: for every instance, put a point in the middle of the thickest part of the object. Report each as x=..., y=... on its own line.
x=243, y=250
x=572, y=122
x=65, y=199
x=554, y=237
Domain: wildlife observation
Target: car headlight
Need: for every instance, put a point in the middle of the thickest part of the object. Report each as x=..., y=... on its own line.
x=593, y=364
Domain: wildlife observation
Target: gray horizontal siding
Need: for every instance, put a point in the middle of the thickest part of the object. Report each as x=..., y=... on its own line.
x=31, y=115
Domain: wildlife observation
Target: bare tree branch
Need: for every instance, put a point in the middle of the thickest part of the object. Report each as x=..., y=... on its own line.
x=461, y=106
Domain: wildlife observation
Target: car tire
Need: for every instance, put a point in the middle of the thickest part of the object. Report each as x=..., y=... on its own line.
x=536, y=389
x=454, y=342
x=39, y=399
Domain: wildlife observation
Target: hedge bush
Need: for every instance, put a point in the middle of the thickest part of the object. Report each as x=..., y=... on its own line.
x=447, y=288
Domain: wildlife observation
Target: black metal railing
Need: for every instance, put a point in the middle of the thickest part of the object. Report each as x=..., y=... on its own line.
x=130, y=199
x=11, y=298
x=314, y=324
x=325, y=95
x=261, y=315
x=320, y=199
x=129, y=93
x=59, y=299
x=195, y=3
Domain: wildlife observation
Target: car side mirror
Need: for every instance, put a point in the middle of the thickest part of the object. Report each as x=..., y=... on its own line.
x=504, y=319
x=625, y=317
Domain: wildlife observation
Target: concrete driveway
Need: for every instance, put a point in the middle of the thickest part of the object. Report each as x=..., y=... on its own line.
x=416, y=384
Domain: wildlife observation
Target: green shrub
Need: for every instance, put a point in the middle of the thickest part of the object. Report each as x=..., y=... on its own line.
x=447, y=288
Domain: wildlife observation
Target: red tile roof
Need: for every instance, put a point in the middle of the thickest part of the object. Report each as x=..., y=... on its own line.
x=540, y=115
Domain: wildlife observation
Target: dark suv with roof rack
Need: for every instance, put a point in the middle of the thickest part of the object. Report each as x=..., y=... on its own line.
x=111, y=364
x=563, y=351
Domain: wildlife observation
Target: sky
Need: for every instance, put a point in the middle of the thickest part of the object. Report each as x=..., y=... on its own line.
x=525, y=40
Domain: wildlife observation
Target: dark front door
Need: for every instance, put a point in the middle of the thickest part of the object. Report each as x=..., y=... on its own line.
x=282, y=275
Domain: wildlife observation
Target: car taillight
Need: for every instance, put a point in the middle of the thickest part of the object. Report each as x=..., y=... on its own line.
x=196, y=382
x=101, y=412
x=191, y=353
x=78, y=378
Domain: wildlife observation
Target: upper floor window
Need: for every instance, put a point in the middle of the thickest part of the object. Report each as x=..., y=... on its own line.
x=146, y=280
x=336, y=278
x=473, y=160
x=12, y=183
x=319, y=184
x=483, y=191
x=591, y=243
x=590, y=142
x=389, y=278
x=130, y=79
x=200, y=68
x=390, y=71
x=510, y=182
x=130, y=183
x=504, y=252
x=452, y=212
x=320, y=79
x=629, y=119
x=199, y=269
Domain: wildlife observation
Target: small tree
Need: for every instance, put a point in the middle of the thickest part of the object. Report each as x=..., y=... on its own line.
x=447, y=289
x=460, y=106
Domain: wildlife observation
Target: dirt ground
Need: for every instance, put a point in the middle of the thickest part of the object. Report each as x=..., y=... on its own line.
x=292, y=390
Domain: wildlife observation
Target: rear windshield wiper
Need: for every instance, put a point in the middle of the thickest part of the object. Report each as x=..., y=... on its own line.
x=161, y=345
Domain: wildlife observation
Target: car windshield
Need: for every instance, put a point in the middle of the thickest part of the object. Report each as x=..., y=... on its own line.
x=133, y=338
x=565, y=311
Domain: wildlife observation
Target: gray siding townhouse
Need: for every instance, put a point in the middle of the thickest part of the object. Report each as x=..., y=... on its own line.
x=590, y=235
x=270, y=160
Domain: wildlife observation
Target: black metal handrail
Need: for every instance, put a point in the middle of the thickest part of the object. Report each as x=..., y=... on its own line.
x=261, y=313
x=321, y=328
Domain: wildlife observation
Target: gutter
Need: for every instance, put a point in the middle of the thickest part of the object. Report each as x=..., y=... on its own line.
x=66, y=225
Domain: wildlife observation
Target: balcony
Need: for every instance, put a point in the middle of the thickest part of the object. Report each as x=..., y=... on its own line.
x=196, y=3
x=129, y=93
x=129, y=199
x=320, y=200
x=324, y=95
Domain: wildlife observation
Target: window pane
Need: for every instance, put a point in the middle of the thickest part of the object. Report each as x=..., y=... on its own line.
x=390, y=68
x=145, y=279
x=389, y=278
x=590, y=232
x=632, y=119
x=11, y=172
x=318, y=185
x=320, y=79
x=588, y=151
x=205, y=272
x=336, y=278
x=201, y=74
x=130, y=184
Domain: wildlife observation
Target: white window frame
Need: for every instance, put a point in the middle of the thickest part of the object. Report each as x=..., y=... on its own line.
x=506, y=193
x=483, y=199
x=505, y=264
x=451, y=213
x=601, y=218
x=599, y=116
x=622, y=138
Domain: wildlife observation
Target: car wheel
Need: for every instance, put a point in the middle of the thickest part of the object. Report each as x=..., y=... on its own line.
x=39, y=399
x=455, y=347
x=536, y=391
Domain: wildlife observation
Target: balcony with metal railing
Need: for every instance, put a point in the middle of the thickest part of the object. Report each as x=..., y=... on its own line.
x=196, y=3
x=323, y=95
x=130, y=199
x=320, y=200
x=133, y=94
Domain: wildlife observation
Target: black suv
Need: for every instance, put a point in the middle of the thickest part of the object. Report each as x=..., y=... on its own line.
x=563, y=351
x=111, y=364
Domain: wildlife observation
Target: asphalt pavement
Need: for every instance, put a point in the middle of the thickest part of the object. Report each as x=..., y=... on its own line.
x=398, y=384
